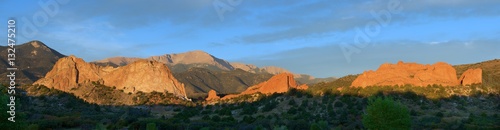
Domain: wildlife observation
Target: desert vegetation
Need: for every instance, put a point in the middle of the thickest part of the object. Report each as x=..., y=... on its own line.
x=346, y=108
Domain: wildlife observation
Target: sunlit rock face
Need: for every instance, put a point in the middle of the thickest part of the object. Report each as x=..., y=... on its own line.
x=142, y=75
x=471, y=76
x=279, y=83
x=212, y=95
x=408, y=73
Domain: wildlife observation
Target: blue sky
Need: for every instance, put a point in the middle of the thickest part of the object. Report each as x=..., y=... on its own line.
x=317, y=37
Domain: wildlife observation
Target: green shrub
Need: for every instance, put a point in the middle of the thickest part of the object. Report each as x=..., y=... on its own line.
x=206, y=117
x=248, y=119
x=292, y=102
x=385, y=113
x=439, y=114
x=151, y=126
x=339, y=104
x=315, y=126
x=33, y=127
x=100, y=126
x=269, y=106
x=216, y=118
x=321, y=125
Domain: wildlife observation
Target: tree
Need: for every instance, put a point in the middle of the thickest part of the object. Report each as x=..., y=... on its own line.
x=151, y=126
x=323, y=125
x=100, y=126
x=248, y=119
x=280, y=128
x=385, y=113
x=216, y=118
x=292, y=102
x=315, y=126
x=33, y=127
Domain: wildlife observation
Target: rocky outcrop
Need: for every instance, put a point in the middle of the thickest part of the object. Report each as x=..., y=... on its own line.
x=408, y=73
x=69, y=72
x=142, y=75
x=212, y=95
x=302, y=87
x=279, y=83
x=471, y=76
x=145, y=76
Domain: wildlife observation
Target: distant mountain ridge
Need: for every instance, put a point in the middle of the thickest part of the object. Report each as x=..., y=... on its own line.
x=117, y=61
x=302, y=78
x=193, y=57
x=182, y=62
x=177, y=62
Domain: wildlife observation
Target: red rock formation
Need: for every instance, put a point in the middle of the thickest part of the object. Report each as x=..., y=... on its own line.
x=212, y=95
x=302, y=87
x=408, y=73
x=279, y=83
x=146, y=76
x=68, y=72
x=471, y=76
x=142, y=75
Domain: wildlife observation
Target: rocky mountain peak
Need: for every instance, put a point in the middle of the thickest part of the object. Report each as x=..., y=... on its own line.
x=37, y=60
x=196, y=58
x=190, y=57
x=37, y=44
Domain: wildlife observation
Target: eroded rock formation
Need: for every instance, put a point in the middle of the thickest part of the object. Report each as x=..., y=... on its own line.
x=471, y=76
x=212, y=95
x=142, y=75
x=408, y=73
x=279, y=83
